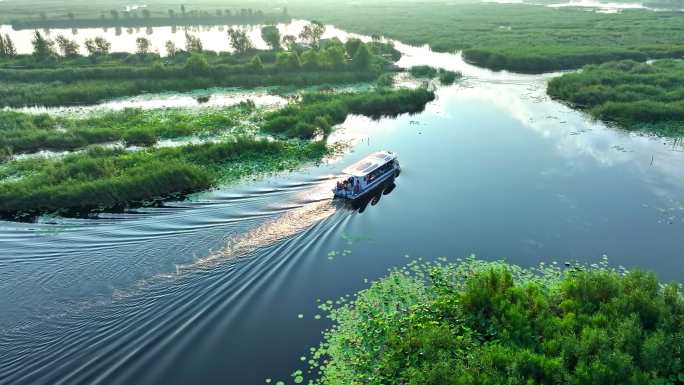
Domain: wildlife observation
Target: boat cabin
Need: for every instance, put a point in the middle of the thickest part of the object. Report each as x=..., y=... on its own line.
x=366, y=174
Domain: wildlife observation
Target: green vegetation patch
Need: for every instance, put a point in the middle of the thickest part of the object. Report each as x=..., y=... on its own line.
x=52, y=78
x=637, y=96
x=522, y=38
x=445, y=77
x=111, y=178
x=477, y=323
x=318, y=112
x=99, y=179
x=27, y=133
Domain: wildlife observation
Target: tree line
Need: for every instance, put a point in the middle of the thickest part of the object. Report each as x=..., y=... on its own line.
x=182, y=16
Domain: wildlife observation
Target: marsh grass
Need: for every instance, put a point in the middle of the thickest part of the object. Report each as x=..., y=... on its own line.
x=445, y=77
x=476, y=322
x=27, y=133
x=515, y=37
x=101, y=179
x=319, y=112
x=637, y=96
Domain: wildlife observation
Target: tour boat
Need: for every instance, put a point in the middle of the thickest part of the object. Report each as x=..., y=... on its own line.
x=367, y=175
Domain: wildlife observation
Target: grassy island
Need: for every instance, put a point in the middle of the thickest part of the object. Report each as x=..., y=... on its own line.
x=99, y=178
x=48, y=79
x=475, y=323
x=636, y=96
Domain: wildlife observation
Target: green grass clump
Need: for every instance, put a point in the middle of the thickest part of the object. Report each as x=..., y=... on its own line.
x=27, y=133
x=318, y=112
x=445, y=77
x=104, y=179
x=477, y=323
x=423, y=71
x=637, y=96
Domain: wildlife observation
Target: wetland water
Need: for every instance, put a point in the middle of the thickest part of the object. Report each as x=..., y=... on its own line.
x=208, y=291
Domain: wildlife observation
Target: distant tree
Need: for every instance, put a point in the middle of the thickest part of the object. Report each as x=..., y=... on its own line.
x=143, y=45
x=115, y=14
x=42, y=46
x=239, y=40
x=290, y=42
x=146, y=13
x=335, y=57
x=66, y=46
x=193, y=43
x=219, y=13
x=172, y=13
x=312, y=33
x=351, y=46
x=183, y=9
x=271, y=36
x=227, y=12
x=310, y=60
x=170, y=48
x=256, y=63
x=288, y=61
x=284, y=11
x=196, y=64
x=70, y=16
x=103, y=46
x=43, y=16
x=10, y=50
x=362, y=58
x=97, y=46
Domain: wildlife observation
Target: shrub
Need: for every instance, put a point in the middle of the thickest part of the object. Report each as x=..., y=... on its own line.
x=476, y=322
x=423, y=71
x=140, y=137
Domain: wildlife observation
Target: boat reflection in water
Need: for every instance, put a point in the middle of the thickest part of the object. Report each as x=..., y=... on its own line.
x=373, y=196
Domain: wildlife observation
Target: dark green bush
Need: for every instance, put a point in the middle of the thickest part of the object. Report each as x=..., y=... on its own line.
x=140, y=137
x=423, y=71
x=484, y=323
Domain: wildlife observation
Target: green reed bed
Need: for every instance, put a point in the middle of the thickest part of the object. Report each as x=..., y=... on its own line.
x=98, y=178
x=445, y=77
x=517, y=37
x=27, y=133
x=111, y=178
x=319, y=112
x=637, y=96
x=89, y=92
x=473, y=322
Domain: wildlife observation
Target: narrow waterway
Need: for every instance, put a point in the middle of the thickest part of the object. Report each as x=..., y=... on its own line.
x=209, y=290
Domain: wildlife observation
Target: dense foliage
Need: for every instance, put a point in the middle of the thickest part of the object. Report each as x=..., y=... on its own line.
x=318, y=112
x=47, y=79
x=638, y=96
x=523, y=38
x=477, y=323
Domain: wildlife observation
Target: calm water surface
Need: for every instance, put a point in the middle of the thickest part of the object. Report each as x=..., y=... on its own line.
x=208, y=291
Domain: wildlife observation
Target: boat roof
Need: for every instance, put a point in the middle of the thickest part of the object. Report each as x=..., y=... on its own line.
x=370, y=163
